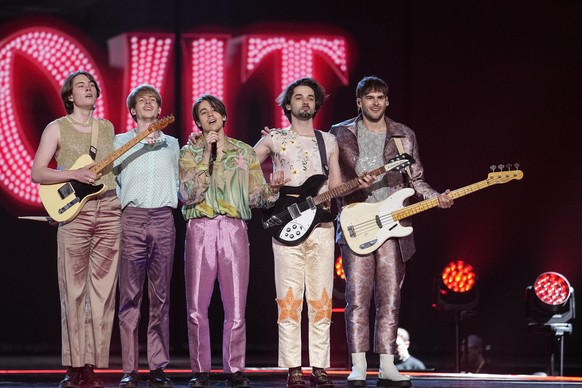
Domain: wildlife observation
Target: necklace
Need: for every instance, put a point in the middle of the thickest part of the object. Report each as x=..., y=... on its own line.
x=73, y=121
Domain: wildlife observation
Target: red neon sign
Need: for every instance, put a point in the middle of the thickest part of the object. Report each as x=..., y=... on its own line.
x=146, y=58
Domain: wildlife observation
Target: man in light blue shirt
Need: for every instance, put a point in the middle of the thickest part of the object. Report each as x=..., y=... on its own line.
x=147, y=184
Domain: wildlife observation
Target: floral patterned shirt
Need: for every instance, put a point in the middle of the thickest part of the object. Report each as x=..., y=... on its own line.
x=298, y=156
x=236, y=185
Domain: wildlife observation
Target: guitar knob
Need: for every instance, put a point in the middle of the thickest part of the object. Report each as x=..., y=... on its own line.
x=294, y=226
x=288, y=229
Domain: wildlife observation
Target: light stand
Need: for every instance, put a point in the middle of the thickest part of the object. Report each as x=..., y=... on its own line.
x=555, y=333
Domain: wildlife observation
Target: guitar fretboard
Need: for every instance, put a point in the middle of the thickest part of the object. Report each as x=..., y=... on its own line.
x=349, y=185
x=160, y=124
x=433, y=202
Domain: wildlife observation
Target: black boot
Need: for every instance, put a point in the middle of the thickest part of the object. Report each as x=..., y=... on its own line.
x=89, y=379
x=72, y=378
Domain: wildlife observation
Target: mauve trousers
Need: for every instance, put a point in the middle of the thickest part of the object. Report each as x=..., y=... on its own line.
x=380, y=275
x=88, y=253
x=216, y=248
x=147, y=247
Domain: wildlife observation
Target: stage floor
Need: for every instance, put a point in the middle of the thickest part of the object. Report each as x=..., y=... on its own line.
x=277, y=378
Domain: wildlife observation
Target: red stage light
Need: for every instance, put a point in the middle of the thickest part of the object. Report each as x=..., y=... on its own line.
x=458, y=276
x=456, y=287
x=550, y=300
x=552, y=288
x=339, y=268
x=549, y=307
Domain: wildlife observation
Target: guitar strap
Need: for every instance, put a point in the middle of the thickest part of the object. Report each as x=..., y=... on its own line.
x=400, y=148
x=322, y=153
x=94, y=136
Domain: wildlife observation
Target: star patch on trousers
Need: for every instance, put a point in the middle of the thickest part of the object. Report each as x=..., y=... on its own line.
x=322, y=307
x=289, y=307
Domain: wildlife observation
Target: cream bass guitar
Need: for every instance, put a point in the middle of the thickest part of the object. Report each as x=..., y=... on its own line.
x=367, y=225
x=64, y=201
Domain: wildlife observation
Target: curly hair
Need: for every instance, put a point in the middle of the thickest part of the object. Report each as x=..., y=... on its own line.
x=284, y=98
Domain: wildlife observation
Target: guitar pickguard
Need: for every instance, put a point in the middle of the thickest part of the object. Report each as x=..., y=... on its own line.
x=298, y=227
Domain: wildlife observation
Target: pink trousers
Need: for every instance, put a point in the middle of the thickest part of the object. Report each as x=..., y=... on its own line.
x=216, y=248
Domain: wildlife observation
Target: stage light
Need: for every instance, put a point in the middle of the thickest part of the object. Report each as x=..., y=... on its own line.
x=339, y=268
x=456, y=287
x=550, y=306
x=550, y=300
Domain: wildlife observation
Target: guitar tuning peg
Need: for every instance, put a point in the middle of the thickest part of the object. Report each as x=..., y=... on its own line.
x=508, y=166
x=492, y=167
x=516, y=166
x=500, y=167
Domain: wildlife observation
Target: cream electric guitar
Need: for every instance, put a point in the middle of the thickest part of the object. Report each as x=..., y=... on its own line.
x=367, y=225
x=63, y=201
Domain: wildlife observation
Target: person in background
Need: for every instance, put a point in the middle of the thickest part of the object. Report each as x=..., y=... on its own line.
x=405, y=360
x=472, y=355
x=220, y=181
x=88, y=245
x=147, y=184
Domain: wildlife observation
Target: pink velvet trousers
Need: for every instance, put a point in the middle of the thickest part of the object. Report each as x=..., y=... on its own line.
x=216, y=249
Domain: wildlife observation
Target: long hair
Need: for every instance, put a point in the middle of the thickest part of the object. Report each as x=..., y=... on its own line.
x=67, y=89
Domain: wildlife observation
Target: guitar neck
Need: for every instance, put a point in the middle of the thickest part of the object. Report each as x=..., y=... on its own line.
x=102, y=164
x=434, y=202
x=345, y=187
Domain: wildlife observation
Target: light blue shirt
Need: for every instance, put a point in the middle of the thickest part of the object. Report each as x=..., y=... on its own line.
x=146, y=176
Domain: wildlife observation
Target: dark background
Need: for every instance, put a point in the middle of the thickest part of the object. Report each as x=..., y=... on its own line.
x=481, y=83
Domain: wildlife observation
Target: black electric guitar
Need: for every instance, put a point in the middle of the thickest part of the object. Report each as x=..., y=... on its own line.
x=367, y=225
x=64, y=201
x=298, y=210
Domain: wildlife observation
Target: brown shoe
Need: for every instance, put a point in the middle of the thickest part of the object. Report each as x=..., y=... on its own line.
x=295, y=379
x=320, y=378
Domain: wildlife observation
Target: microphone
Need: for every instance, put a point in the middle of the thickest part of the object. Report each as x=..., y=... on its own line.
x=213, y=152
x=212, y=157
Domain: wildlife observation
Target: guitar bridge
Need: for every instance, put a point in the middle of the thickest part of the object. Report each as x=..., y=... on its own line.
x=75, y=201
x=352, y=231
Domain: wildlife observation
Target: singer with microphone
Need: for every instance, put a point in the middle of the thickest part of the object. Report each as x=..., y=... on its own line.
x=220, y=181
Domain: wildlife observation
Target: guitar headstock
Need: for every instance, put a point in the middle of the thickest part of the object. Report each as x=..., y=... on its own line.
x=161, y=123
x=504, y=174
x=400, y=162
